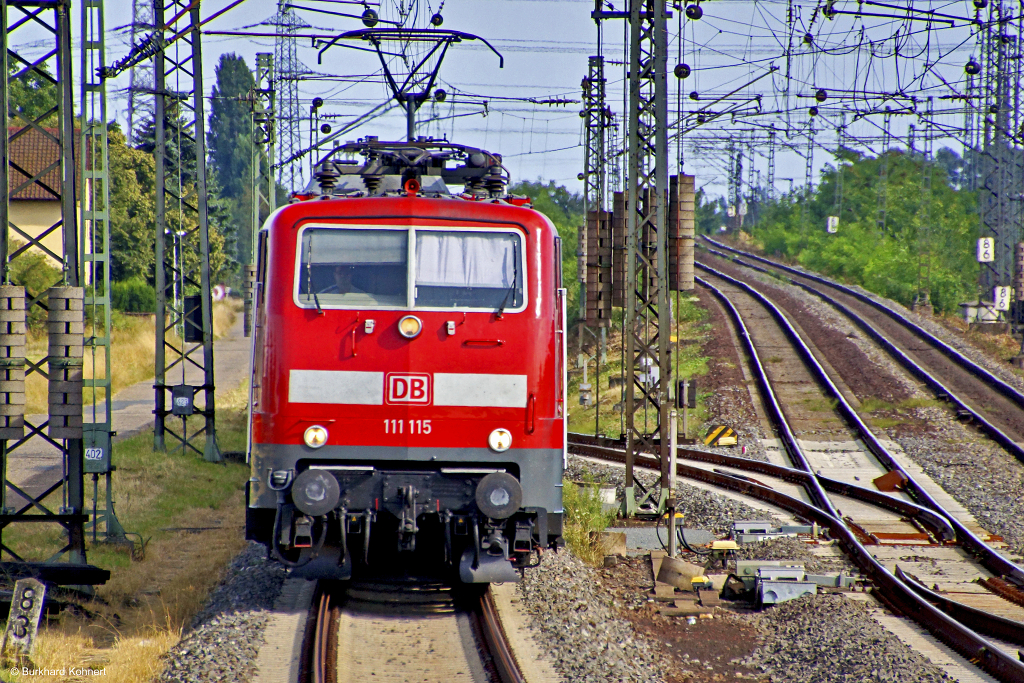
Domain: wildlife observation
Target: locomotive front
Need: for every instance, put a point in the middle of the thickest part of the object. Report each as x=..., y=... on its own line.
x=408, y=371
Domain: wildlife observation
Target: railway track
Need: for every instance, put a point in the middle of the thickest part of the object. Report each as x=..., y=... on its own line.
x=883, y=534
x=978, y=395
x=403, y=630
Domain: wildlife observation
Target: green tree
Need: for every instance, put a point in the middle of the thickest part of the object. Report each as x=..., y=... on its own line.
x=710, y=213
x=132, y=210
x=927, y=242
x=31, y=95
x=565, y=209
x=179, y=143
x=133, y=217
x=229, y=137
x=230, y=145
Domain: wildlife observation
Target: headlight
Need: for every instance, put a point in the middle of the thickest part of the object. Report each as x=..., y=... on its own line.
x=315, y=436
x=500, y=440
x=410, y=326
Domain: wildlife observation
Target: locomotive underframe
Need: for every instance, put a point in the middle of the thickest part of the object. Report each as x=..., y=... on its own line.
x=412, y=486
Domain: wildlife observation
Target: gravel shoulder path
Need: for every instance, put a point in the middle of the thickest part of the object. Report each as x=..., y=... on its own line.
x=225, y=637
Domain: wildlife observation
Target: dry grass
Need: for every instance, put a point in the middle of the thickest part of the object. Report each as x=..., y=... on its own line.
x=133, y=659
x=141, y=612
x=134, y=350
x=192, y=514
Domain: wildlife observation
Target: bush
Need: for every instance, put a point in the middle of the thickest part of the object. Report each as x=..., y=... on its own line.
x=584, y=520
x=133, y=296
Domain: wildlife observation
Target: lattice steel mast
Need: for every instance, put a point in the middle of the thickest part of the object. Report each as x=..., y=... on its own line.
x=289, y=112
x=184, y=344
x=60, y=436
x=140, y=76
x=262, y=99
x=1000, y=168
x=95, y=259
x=648, y=318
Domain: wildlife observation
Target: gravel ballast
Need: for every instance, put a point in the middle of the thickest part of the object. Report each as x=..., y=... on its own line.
x=580, y=631
x=225, y=637
x=831, y=639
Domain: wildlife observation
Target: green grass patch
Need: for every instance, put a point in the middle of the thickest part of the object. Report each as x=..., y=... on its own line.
x=873, y=405
x=912, y=403
x=886, y=422
x=191, y=514
x=584, y=520
x=150, y=490
x=689, y=333
x=820, y=405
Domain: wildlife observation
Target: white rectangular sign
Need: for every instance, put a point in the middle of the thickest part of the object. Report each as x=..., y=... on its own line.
x=833, y=225
x=986, y=249
x=1001, y=296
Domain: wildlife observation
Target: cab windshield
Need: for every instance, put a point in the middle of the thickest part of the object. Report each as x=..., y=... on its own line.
x=368, y=268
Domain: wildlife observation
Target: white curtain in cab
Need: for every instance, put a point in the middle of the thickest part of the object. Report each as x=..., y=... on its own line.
x=465, y=259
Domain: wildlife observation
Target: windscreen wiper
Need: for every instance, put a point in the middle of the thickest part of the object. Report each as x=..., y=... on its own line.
x=511, y=288
x=309, y=276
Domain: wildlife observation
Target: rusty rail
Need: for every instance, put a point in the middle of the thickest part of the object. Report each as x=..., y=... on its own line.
x=981, y=621
x=986, y=555
x=1003, y=387
x=936, y=385
x=894, y=592
x=496, y=641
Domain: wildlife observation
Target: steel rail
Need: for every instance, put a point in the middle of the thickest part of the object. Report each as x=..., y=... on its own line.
x=320, y=642
x=971, y=366
x=320, y=665
x=981, y=621
x=496, y=641
x=938, y=524
x=775, y=413
x=893, y=591
x=916, y=369
x=987, y=556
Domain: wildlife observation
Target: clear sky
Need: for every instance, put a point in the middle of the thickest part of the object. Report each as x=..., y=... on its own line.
x=546, y=43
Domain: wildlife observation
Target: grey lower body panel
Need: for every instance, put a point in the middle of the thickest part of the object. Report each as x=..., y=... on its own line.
x=539, y=470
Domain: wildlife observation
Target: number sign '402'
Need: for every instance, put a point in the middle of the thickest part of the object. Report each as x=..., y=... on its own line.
x=986, y=249
x=1001, y=296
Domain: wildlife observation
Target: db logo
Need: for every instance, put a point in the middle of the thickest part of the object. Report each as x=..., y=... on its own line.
x=409, y=388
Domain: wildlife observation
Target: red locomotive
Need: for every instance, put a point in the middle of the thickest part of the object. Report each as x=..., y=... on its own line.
x=408, y=369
